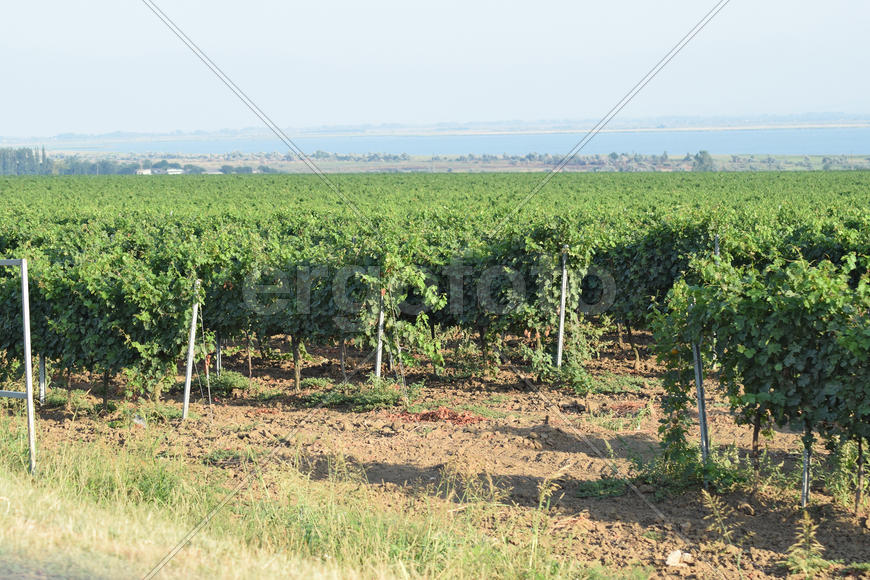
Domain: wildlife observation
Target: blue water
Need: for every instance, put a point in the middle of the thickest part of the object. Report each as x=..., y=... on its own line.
x=831, y=141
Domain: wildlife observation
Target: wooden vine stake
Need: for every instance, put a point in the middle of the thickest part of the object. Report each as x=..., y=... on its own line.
x=561, y=341
x=190, y=348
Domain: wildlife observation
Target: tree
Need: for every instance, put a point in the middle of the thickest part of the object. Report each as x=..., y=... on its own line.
x=703, y=161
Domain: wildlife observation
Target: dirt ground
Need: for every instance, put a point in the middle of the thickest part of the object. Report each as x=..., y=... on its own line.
x=521, y=437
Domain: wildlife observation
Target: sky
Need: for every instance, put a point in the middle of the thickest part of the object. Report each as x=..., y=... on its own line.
x=110, y=65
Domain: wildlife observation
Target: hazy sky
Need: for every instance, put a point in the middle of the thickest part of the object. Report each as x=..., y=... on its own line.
x=107, y=65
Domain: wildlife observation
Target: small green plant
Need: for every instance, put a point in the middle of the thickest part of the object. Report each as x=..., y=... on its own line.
x=842, y=478
x=55, y=399
x=316, y=383
x=155, y=413
x=227, y=382
x=805, y=555
x=546, y=488
x=497, y=399
x=376, y=394
x=79, y=402
x=720, y=518
x=604, y=487
x=482, y=411
x=340, y=469
x=676, y=472
x=613, y=384
x=266, y=395
x=223, y=457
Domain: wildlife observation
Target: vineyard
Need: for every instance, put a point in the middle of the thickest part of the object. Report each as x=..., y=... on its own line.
x=766, y=275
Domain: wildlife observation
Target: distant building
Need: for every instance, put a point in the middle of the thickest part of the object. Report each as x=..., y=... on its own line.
x=143, y=171
x=172, y=171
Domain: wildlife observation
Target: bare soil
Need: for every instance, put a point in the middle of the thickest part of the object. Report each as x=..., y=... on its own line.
x=520, y=435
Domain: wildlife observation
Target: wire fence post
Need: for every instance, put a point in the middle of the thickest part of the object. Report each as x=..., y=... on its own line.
x=218, y=363
x=42, y=379
x=28, y=364
x=805, y=481
x=380, y=348
x=561, y=341
x=191, y=343
x=27, y=395
x=805, y=485
x=702, y=404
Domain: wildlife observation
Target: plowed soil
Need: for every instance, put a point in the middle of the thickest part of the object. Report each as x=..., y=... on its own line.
x=504, y=428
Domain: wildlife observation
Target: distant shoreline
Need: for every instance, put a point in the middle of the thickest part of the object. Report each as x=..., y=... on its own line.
x=416, y=132
x=478, y=132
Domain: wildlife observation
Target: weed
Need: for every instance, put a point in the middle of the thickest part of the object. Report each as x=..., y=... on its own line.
x=342, y=470
x=460, y=482
x=79, y=403
x=617, y=422
x=720, y=517
x=482, y=411
x=55, y=399
x=860, y=569
x=546, y=488
x=224, y=457
x=316, y=383
x=266, y=395
x=156, y=413
x=677, y=472
x=841, y=477
x=496, y=400
x=377, y=394
x=614, y=384
x=604, y=487
x=805, y=555
x=228, y=381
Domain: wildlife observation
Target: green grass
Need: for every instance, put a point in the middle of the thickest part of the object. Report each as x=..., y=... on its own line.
x=316, y=383
x=224, y=457
x=605, y=487
x=371, y=396
x=228, y=382
x=55, y=399
x=613, y=384
x=482, y=411
x=496, y=400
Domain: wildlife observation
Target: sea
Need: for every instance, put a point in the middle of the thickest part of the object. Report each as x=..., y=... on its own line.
x=755, y=141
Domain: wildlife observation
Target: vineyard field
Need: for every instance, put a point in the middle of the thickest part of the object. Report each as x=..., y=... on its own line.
x=460, y=278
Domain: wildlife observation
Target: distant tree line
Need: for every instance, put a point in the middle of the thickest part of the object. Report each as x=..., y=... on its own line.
x=25, y=161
